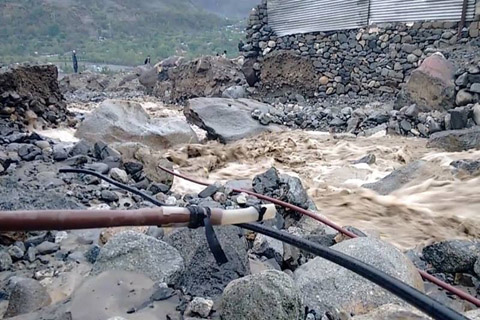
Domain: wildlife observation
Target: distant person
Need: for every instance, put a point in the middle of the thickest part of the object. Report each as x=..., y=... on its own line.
x=75, y=61
x=147, y=61
x=224, y=55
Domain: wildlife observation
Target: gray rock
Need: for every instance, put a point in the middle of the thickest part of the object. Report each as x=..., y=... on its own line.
x=470, y=166
x=5, y=261
x=268, y=247
x=27, y=295
x=208, y=191
x=16, y=253
x=393, y=312
x=253, y=297
x=473, y=314
x=60, y=152
x=455, y=256
x=136, y=252
x=92, y=253
x=98, y=167
x=475, y=88
x=368, y=159
x=81, y=148
x=266, y=182
x=396, y=179
x=462, y=80
x=31, y=254
x=225, y=119
x=463, y=98
x=28, y=152
x=119, y=175
x=47, y=247
x=412, y=111
x=430, y=87
x=102, y=151
x=405, y=125
x=235, y=92
x=124, y=121
x=294, y=191
x=109, y=196
x=199, y=306
x=326, y=286
x=456, y=140
x=202, y=276
x=476, y=114
x=459, y=118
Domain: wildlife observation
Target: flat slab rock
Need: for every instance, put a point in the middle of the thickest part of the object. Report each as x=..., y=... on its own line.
x=227, y=120
x=456, y=140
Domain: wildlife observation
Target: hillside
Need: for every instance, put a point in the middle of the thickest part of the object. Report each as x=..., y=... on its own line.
x=228, y=8
x=113, y=31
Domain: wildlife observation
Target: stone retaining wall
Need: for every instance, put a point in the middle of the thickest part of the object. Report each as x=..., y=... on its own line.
x=375, y=59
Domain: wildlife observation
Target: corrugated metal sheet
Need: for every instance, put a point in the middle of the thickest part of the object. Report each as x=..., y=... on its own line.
x=303, y=16
x=418, y=10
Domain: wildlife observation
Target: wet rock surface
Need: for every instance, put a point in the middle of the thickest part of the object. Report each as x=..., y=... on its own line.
x=252, y=297
x=202, y=276
x=454, y=256
x=326, y=286
x=456, y=140
x=130, y=251
x=224, y=119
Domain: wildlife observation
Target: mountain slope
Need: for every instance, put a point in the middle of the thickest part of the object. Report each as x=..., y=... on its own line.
x=115, y=31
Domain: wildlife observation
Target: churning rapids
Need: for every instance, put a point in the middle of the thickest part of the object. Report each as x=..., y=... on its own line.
x=437, y=204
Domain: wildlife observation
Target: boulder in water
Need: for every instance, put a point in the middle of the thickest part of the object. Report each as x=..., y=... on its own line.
x=225, y=119
x=456, y=140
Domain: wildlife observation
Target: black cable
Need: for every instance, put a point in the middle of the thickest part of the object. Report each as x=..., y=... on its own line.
x=115, y=183
x=407, y=293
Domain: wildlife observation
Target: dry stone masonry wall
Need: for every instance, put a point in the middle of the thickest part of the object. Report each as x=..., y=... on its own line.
x=375, y=59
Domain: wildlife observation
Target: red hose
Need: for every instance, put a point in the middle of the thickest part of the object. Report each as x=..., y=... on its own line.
x=426, y=276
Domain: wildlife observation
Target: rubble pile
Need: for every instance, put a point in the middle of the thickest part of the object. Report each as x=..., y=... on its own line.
x=30, y=95
x=207, y=76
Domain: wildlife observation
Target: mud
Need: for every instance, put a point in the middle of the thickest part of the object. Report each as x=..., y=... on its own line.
x=436, y=205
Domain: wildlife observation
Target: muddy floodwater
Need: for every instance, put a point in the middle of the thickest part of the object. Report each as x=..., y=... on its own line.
x=436, y=205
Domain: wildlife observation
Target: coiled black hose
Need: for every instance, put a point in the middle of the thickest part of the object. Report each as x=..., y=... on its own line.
x=405, y=292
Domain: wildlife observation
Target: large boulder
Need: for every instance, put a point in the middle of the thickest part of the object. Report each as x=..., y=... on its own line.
x=136, y=252
x=326, y=286
x=456, y=140
x=431, y=86
x=202, y=276
x=455, y=256
x=126, y=121
x=225, y=119
x=397, y=178
x=270, y=295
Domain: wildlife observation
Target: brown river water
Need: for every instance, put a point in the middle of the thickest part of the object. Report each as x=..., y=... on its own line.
x=436, y=205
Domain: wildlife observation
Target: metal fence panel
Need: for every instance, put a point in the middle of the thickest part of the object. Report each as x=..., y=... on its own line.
x=302, y=16
x=383, y=11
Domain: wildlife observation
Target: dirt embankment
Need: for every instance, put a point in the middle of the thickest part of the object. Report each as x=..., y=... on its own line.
x=29, y=93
